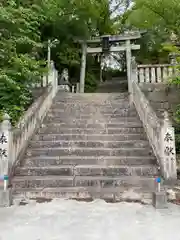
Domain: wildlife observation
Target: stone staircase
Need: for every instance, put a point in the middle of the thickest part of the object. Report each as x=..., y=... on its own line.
x=89, y=146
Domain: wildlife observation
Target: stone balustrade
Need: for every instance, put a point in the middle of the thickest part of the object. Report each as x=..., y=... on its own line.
x=156, y=73
x=46, y=79
x=77, y=87
x=14, y=140
x=160, y=133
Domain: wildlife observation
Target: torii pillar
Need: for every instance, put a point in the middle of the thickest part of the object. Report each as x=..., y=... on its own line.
x=83, y=67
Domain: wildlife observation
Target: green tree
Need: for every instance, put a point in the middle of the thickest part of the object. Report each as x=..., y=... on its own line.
x=26, y=26
x=19, y=63
x=160, y=18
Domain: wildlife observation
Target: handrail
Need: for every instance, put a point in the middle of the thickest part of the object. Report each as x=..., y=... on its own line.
x=14, y=140
x=160, y=133
x=156, y=73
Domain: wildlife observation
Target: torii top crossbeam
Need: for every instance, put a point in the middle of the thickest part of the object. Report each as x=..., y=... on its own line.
x=114, y=38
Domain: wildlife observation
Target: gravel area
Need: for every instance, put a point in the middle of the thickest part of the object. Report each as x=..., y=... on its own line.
x=72, y=220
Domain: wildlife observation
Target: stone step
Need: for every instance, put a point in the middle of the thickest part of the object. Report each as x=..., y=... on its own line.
x=90, y=144
x=107, y=115
x=81, y=106
x=113, y=194
x=58, y=129
x=45, y=161
x=89, y=170
x=89, y=99
x=92, y=125
x=90, y=96
x=55, y=120
x=90, y=137
x=104, y=104
x=89, y=152
x=91, y=103
x=93, y=112
x=82, y=181
x=98, y=95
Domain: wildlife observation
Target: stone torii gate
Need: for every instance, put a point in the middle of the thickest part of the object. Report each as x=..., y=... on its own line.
x=109, y=43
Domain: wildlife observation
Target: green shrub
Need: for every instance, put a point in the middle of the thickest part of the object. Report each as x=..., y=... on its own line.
x=91, y=83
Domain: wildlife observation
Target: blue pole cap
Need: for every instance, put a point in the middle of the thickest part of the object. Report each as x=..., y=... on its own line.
x=158, y=179
x=6, y=177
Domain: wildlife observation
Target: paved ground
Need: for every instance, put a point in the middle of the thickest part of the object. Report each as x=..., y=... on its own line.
x=71, y=220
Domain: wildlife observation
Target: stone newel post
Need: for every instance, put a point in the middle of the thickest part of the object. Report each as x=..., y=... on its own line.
x=168, y=149
x=77, y=87
x=133, y=77
x=133, y=70
x=5, y=156
x=83, y=68
x=5, y=161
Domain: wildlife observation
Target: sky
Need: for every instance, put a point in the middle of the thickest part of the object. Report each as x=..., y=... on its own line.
x=109, y=61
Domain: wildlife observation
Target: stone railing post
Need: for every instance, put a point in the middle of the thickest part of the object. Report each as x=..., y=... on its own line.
x=55, y=82
x=77, y=87
x=134, y=77
x=73, y=89
x=156, y=73
x=5, y=135
x=134, y=70
x=5, y=161
x=168, y=149
x=51, y=73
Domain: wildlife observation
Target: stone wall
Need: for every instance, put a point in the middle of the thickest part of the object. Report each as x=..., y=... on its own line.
x=162, y=97
x=37, y=92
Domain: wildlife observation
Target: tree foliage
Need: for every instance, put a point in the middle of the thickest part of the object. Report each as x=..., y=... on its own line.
x=161, y=14
x=19, y=63
x=26, y=26
x=160, y=18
